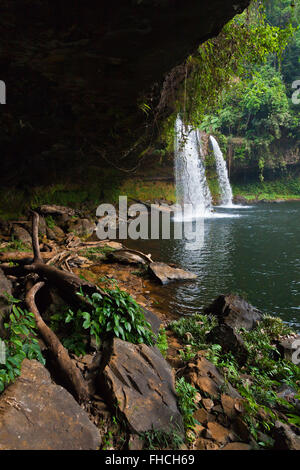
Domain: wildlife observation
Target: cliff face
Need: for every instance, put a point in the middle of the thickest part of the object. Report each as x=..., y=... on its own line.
x=76, y=70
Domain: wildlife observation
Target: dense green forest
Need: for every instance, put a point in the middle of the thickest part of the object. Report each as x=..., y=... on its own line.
x=257, y=122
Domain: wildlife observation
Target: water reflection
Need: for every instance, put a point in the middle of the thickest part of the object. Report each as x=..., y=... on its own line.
x=256, y=253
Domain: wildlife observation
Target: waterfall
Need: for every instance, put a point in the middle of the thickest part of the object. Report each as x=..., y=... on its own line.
x=225, y=188
x=191, y=184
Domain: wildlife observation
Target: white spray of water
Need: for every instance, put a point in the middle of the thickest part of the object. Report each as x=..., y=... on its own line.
x=225, y=188
x=191, y=184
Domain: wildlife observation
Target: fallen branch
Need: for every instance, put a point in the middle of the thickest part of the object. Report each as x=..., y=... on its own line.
x=71, y=374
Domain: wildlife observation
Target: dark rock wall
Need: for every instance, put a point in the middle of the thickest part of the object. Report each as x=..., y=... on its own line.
x=75, y=71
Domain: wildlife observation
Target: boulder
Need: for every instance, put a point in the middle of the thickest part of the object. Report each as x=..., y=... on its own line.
x=153, y=319
x=285, y=437
x=36, y=414
x=21, y=234
x=54, y=210
x=81, y=227
x=230, y=340
x=138, y=380
x=55, y=233
x=5, y=288
x=234, y=311
x=165, y=273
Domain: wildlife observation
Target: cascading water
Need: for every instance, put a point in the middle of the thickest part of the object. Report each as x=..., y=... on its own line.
x=225, y=188
x=191, y=184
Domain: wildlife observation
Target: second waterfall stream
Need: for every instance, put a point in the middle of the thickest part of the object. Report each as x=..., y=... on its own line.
x=225, y=188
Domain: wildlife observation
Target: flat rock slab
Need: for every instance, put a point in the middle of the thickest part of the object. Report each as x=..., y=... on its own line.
x=165, y=273
x=140, y=381
x=36, y=414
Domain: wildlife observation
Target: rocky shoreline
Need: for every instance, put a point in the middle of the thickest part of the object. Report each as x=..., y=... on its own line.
x=221, y=380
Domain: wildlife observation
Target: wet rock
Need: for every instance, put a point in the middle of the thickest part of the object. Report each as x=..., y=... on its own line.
x=21, y=234
x=234, y=311
x=126, y=257
x=36, y=414
x=81, y=227
x=165, y=273
x=285, y=437
x=140, y=381
x=5, y=288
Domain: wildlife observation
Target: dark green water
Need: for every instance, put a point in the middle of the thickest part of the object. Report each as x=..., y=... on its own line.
x=256, y=253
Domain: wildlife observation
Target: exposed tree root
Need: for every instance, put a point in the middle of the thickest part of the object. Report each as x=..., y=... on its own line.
x=70, y=373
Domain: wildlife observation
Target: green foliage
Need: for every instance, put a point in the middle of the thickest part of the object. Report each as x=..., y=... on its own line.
x=257, y=381
x=193, y=329
x=158, y=439
x=162, y=342
x=265, y=370
x=248, y=39
x=91, y=253
x=50, y=221
x=15, y=245
x=186, y=394
x=287, y=187
x=20, y=343
x=114, y=314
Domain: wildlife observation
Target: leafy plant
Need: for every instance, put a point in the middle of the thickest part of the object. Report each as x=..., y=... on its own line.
x=50, y=221
x=162, y=342
x=113, y=314
x=15, y=245
x=20, y=343
x=186, y=394
x=193, y=329
x=158, y=439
